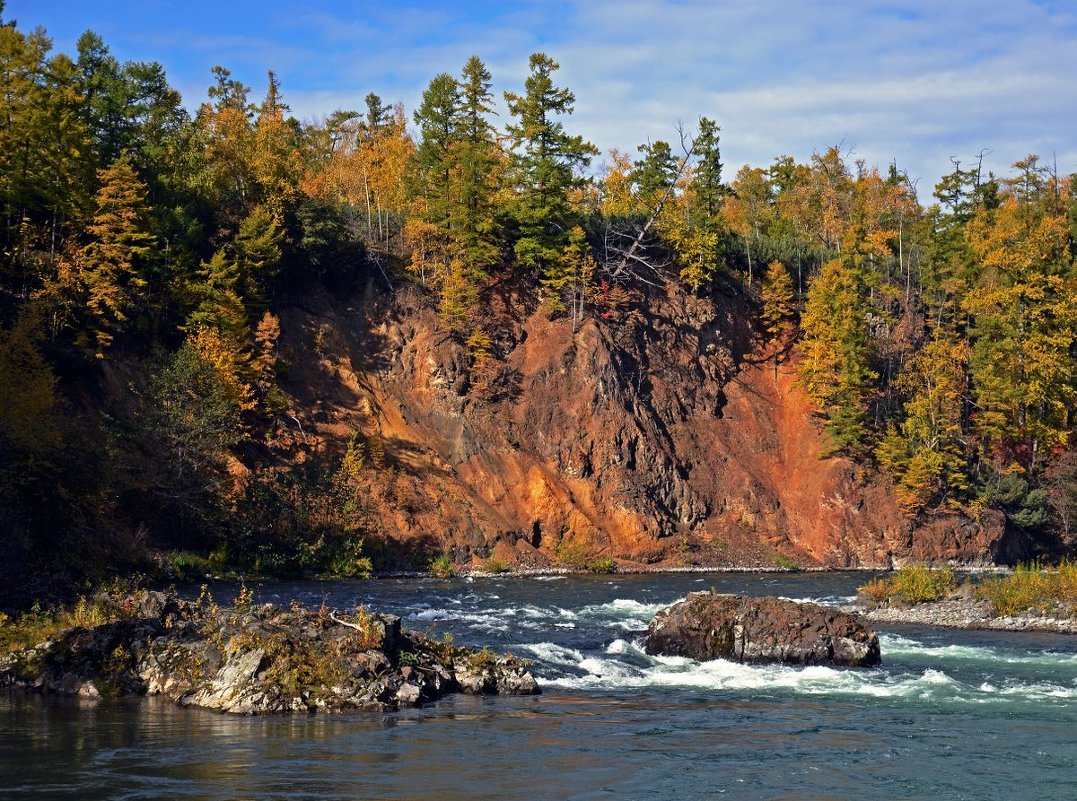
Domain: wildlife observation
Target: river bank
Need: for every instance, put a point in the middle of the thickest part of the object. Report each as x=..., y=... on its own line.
x=964, y=613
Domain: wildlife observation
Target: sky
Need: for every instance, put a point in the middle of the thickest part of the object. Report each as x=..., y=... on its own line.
x=914, y=82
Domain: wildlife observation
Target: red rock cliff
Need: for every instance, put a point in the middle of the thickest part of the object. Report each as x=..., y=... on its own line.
x=671, y=436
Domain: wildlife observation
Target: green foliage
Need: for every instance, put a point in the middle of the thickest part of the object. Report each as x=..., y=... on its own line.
x=938, y=339
x=601, y=564
x=835, y=370
x=544, y=160
x=441, y=566
x=573, y=551
x=38, y=624
x=785, y=562
x=186, y=565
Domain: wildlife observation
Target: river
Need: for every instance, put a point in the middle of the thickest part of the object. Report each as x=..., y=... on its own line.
x=949, y=715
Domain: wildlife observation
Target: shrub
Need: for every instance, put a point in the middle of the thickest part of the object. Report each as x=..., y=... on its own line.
x=492, y=565
x=37, y=625
x=1031, y=587
x=785, y=561
x=603, y=564
x=442, y=567
x=574, y=552
x=912, y=585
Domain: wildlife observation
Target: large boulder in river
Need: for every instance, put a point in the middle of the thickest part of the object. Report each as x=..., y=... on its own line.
x=706, y=626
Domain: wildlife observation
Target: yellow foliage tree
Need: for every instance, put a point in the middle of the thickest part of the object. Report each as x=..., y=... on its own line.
x=111, y=262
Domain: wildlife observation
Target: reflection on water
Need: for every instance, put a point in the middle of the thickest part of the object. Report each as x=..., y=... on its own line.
x=949, y=715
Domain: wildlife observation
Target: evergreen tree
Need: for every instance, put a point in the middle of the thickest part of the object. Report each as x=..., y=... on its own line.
x=777, y=295
x=478, y=169
x=543, y=165
x=435, y=155
x=836, y=350
x=926, y=452
x=275, y=161
x=707, y=176
x=655, y=173
x=1024, y=314
x=258, y=253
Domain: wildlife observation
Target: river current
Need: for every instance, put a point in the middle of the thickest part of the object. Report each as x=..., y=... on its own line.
x=949, y=715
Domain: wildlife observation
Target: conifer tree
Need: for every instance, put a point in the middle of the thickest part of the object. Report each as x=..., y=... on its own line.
x=113, y=262
x=706, y=181
x=543, y=164
x=926, y=452
x=275, y=160
x=655, y=172
x=258, y=253
x=836, y=349
x=435, y=155
x=777, y=294
x=478, y=162
x=1024, y=314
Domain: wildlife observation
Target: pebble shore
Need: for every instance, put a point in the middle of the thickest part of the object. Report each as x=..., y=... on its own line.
x=963, y=613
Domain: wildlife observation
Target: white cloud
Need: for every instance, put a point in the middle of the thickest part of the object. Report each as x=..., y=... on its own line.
x=912, y=80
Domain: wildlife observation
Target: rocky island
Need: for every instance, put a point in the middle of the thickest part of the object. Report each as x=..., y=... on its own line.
x=257, y=659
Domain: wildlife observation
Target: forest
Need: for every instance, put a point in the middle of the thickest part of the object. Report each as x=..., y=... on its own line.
x=146, y=253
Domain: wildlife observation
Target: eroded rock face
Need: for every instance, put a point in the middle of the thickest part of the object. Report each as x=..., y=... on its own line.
x=761, y=630
x=668, y=435
x=259, y=660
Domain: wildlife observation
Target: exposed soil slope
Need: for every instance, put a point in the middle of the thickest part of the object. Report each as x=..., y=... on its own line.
x=669, y=436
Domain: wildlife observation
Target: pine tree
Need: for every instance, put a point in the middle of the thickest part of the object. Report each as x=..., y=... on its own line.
x=926, y=452
x=459, y=295
x=777, y=294
x=706, y=182
x=655, y=172
x=478, y=166
x=1024, y=313
x=275, y=161
x=435, y=155
x=836, y=349
x=113, y=262
x=543, y=165
x=258, y=253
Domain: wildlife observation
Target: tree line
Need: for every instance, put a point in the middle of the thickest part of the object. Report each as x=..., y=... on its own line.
x=145, y=252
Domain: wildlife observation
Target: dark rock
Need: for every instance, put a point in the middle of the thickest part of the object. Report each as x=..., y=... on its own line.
x=760, y=630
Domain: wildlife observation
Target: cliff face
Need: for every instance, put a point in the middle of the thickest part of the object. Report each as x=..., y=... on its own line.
x=669, y=436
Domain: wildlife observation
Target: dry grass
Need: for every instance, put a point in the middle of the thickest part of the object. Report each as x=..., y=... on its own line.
x=1033, y=588
x=911, y=585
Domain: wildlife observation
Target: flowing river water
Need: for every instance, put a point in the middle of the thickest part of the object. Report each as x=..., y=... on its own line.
x=949, y=715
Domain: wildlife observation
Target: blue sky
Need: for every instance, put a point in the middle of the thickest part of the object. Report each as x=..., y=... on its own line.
x=913, y=80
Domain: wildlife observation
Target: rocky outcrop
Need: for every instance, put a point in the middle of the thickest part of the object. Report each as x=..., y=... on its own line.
x=666, y=434
x=705, y=626
x=259, y=660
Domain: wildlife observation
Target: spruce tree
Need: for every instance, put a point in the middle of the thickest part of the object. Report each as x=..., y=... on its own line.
x=543, y=168
x=478, y=169
x=836, y=349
